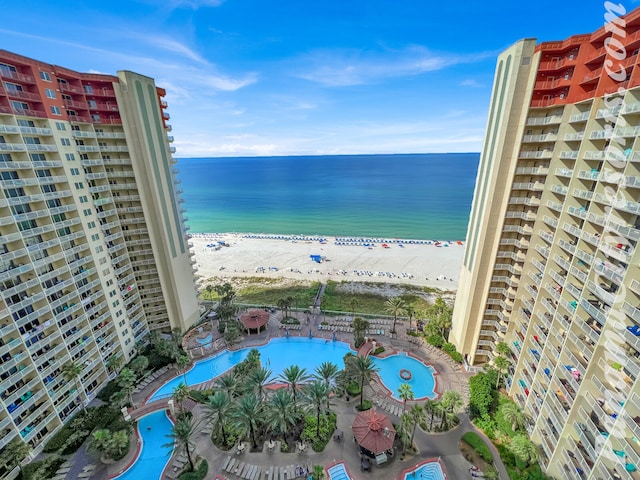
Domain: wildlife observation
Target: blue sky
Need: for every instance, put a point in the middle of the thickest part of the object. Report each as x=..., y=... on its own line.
x=250, y=77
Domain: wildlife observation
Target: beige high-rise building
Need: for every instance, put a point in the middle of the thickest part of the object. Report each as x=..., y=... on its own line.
x=93, y=245
x=552, y=267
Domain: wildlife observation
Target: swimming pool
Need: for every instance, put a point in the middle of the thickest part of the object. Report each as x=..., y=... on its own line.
x=422, y=379
x=308, y=353
x=427, y=471
x=153, y=456
x=338, y=472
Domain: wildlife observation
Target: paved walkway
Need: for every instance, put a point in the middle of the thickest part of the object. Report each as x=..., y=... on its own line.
x=444, y=445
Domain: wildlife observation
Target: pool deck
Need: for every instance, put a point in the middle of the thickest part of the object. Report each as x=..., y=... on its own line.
x=256, y=465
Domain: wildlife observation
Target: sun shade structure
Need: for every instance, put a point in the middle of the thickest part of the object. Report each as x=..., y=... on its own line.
x=373, y=431
x=254, y=320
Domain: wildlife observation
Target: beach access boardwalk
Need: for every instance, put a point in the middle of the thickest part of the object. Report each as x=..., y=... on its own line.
x=269, y=462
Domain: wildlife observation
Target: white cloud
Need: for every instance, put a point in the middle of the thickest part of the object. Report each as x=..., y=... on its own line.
x=470, y=82
x=340, y=68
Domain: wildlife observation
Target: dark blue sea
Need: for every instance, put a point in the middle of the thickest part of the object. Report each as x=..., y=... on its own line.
x=421, y=196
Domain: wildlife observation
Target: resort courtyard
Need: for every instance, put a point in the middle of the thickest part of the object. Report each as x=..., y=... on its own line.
x=278, y=345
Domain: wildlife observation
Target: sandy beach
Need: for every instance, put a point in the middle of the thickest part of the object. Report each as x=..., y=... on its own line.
x=425, y=263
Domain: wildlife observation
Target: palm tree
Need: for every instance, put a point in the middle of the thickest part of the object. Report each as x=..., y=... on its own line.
x=127, y=381
x=181, y=435
x=227, y=384
x=101, y=440
x=316, y=394
x=114, y=362
x=452, y=401
x=209, y=290
x=318, y=472
x=405, y=393
x=502, y=364
x=245, y=414
x=72, y=372
x=280, y=412
x=395, y=306
x=440, y=314
x=119, y=443
x=503, y=349
x=430, y=408
x=410, y=311
x=180, y=394
x=404, y=431
x=294, y=376
x=524, y=449
x=418, y=416
x=257, y=379
x=217, y=407
x=181, y=363
x=328, y=373
x=361, y=368
x=360, y=327
x=512, y=412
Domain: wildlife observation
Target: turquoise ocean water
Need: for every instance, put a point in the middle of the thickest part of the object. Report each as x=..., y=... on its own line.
x=421, y=196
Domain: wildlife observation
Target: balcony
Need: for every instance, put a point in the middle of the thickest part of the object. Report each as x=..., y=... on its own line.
x=545, y=137
x=569, y=154
x=564, y=172
x=535, y=154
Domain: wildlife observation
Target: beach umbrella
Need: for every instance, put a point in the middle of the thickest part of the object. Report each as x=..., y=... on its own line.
x=373, y=431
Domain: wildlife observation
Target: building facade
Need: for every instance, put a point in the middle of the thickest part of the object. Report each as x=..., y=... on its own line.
x=551, y=266
x=93, y=245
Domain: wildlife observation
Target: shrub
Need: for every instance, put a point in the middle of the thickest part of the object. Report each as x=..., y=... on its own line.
x=435, y=340
x=448, y=347
x=199, y=473
x=309, y=432
x=353, y=389
x=474, y=441
x=366, y=405
x=30, y=471
x=378, y=350
x=456, y=357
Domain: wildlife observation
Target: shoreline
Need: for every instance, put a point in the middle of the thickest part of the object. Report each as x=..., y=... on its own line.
x=428, y=263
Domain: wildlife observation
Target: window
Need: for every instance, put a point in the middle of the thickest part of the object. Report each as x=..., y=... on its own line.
x=61, y=126
x=19, y=106
x=88, y=89
x=32, y=140
x=7, y=70
x=70, y=157
x=75, y=171
x=46, y=77
x=11, y=175
x=43, y=173
x=86, y=212
x=66, y=142
x=95, y=237
x=92, y=225
x=48, y=188
x=50, y=93
x=99, y=249
x=55, y=110
x=5, y=157
x=79, y=185
x=92, y=104
x=95, y=118
x=37, y=157
x=13, y=87
x=83, y=199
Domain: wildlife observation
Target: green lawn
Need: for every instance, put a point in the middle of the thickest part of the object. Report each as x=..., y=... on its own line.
x=260, y=293
x=337, y=300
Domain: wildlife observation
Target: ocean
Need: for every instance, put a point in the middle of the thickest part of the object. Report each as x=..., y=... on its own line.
x=420, y=196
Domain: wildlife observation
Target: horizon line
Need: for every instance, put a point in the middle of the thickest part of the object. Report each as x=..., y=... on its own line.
x=329, y=155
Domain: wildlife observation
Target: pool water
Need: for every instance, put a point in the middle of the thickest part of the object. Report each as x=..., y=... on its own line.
x=308, y=353
x=422, y=380
x=338, y=472
x=153, y=457
x=428, y=471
